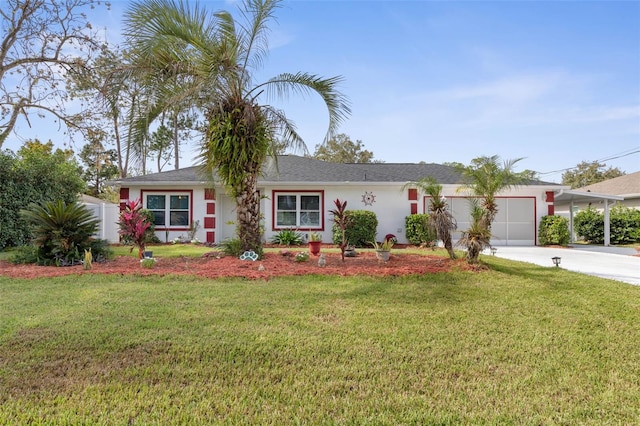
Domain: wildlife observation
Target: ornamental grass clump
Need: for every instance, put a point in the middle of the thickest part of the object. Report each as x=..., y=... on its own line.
x=133, y=226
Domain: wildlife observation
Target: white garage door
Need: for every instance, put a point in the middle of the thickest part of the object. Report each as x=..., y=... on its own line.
x=514, y=224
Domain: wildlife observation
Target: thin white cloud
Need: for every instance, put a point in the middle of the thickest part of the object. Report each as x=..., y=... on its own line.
x=512, y=89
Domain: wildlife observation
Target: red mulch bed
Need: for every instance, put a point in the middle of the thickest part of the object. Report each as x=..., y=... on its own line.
x=216, y=265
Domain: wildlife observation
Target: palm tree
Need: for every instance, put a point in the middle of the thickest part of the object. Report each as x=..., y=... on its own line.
x=478, y=236
x=485, y=178
x=440, y=218
x=215, y=58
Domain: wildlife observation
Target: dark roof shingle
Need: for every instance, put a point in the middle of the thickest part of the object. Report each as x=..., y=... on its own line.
x=296, y=169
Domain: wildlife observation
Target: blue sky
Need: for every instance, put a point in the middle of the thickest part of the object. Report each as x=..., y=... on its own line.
x=556, y=82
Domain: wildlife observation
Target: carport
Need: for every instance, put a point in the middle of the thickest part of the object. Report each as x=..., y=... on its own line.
x=572, y=196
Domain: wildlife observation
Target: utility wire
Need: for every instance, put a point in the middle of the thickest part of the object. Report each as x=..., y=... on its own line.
x=614, y=157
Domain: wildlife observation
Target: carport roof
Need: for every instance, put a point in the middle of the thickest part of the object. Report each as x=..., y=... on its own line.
x=568, y=195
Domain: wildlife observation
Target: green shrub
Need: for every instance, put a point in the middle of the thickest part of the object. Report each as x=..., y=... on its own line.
x=24, y=255
x=61, y=231
x=554, y=230
x=101, y=250
x=624, y=225
x=150, y=234
x=287, y=237
x=36, y=174
x=361, y=230
x=233, y=247
x=589, y=225
x=418, y=230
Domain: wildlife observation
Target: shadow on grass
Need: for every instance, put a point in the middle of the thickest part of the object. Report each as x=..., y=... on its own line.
x=431, y=287
x=549, y=276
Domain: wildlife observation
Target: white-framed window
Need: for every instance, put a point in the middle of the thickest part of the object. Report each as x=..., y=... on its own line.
x=298, y=210
x=170, y=210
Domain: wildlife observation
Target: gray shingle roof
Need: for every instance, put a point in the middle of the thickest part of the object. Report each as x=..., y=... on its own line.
x=622, y=185
x=296, y=169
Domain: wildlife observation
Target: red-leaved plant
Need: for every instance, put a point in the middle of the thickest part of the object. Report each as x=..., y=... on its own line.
x=133, y=225
x=342, y=221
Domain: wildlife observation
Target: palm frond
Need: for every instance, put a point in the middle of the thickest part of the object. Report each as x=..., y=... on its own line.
x=283, y=85
x=255, y=46
x=286, y=129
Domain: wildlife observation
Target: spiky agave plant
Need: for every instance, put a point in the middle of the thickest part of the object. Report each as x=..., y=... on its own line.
x=61, y=231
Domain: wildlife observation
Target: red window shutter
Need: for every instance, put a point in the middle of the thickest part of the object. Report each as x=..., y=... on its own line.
x=209, y=222
x=413, y=194
x=550, y=196
x=211, y=208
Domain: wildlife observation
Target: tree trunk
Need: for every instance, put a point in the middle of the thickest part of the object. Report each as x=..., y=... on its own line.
x=176, y=142
x=473, y=253
x=248, y=216
x=448, y=245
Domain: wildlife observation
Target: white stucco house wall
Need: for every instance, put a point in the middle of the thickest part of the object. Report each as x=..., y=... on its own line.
x=300, y=191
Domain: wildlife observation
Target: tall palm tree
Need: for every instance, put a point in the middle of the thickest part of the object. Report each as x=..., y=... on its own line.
x=440, y=218
x=485, y=177
x=216, y=59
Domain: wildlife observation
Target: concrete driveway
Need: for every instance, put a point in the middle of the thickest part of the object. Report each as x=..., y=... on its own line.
x=616, y=263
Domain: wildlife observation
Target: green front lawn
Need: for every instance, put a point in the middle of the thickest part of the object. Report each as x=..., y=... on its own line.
x=519, y=344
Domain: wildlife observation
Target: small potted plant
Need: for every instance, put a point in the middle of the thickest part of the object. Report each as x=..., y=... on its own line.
x=383, y=249
x=315, y=242
x=350, y=251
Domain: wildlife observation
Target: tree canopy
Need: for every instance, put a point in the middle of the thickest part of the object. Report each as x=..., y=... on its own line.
x=42, y=39
x=341, y=149
x=588, y=173
x=36, y=174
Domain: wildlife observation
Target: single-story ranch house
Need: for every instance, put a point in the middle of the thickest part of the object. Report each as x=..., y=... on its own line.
x=299, y=192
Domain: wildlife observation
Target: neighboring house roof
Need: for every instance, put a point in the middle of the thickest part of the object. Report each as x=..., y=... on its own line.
x=296, y=169
x=626, y=186
x=88, y=199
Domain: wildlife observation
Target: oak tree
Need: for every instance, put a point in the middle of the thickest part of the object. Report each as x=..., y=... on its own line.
x=41, y=41
x=588, y=173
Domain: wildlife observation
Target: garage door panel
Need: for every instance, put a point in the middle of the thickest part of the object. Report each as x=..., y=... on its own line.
x=501, y=216
x=514, y=223
x=520, y=210
x=519, y=231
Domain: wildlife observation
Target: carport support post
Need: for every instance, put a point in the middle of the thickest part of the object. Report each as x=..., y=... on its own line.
x=607, y=227
x=572, y=233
